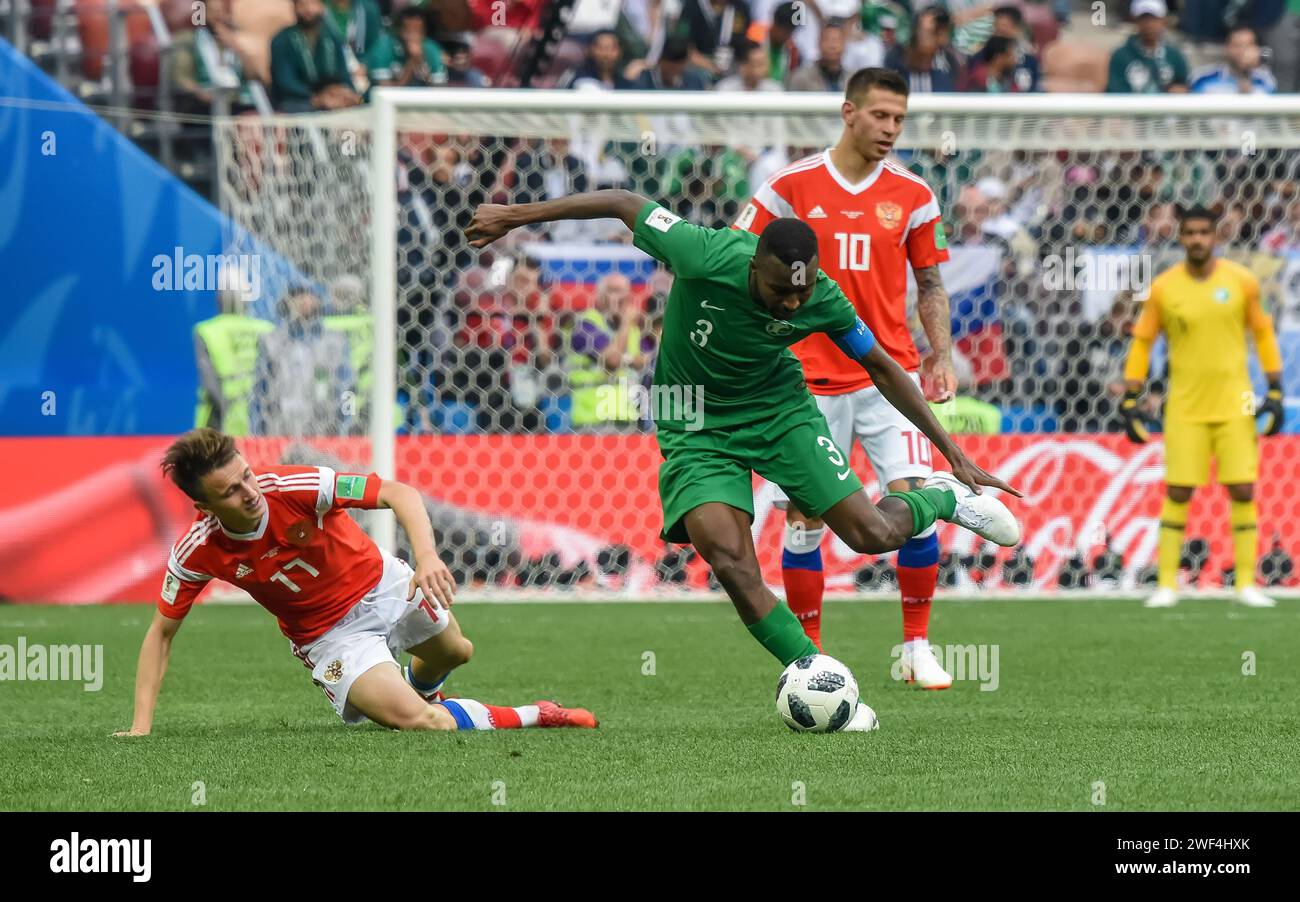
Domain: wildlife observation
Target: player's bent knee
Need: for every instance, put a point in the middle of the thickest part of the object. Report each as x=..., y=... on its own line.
x=463, y=651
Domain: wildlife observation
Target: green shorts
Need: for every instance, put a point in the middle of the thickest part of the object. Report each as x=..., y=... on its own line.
x=793, y=449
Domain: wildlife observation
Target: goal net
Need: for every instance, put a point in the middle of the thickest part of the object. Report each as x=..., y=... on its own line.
x=478, y=381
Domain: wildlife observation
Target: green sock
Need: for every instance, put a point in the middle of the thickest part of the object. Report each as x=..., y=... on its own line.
x=780, y=633
x=927, y=505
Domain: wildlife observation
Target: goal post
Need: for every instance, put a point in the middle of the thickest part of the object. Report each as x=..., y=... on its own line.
x=1058, y=209
x=383, y=299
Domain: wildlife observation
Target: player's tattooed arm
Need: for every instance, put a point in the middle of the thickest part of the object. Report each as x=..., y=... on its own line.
x=493, y=221
x=431, y=575
x=938, y=378
x=900, y=391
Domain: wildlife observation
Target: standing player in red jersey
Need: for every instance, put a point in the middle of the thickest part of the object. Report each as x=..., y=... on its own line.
x=872, y=218
x=348, y=607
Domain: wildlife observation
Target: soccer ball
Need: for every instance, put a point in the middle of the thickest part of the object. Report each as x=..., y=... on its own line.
x=816, y=694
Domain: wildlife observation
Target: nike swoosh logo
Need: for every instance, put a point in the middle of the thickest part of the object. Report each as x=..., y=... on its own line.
x=705, y=305
x=845, y=475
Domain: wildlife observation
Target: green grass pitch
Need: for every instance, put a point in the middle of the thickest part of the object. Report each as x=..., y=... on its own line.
x=1152, y=704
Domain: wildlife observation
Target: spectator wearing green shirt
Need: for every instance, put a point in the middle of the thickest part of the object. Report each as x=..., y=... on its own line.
x=1147, y=63
x=406, y=57
x=206, y=61
x=358, y=22
x=782, y=51
x=889, y=20
x=972, y=22
x=308, y=66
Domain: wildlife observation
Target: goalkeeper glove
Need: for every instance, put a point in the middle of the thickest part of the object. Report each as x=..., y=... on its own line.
x=1272, y=411
x=1134, y=428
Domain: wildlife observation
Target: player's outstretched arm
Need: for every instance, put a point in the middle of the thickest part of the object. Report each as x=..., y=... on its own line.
x=493, y=221
x=149, y=670
x=431, y=575
x=899, y=390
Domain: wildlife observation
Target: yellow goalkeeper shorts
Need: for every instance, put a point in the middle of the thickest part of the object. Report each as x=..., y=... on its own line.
x=1189, y=447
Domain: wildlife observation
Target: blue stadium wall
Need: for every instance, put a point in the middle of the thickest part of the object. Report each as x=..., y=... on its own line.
x=87, y=345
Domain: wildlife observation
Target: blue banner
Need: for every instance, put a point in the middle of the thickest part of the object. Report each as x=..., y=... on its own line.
x=95, y=321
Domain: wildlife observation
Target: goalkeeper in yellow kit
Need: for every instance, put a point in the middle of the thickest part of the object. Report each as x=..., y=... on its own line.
x=1204, y=307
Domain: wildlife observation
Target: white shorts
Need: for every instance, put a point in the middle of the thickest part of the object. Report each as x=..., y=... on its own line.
x=379, y=627
x=896, y=448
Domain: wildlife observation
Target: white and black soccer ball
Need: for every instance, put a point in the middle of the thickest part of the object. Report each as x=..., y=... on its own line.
x=816, y=694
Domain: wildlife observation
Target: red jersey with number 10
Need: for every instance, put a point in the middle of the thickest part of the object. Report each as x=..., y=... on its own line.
x=866, y=235
x=307, y=562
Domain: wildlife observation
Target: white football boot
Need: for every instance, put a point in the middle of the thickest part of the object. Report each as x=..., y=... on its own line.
x=1253, y=598
x=921, y=667
x=982, y=514
x=864, y=720
x=1162, y=598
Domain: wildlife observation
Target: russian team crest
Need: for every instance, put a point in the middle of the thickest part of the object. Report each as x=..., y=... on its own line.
x=334, y=672
x=301, y=532
x=889, y=215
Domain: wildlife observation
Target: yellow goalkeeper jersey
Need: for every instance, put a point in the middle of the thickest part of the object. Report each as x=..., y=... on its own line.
x=1205, y=321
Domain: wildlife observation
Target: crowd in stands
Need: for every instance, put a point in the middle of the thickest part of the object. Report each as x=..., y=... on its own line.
x=496, y=342
x=326, y=54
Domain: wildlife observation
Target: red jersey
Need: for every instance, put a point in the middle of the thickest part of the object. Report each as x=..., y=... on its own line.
x=307, y=562
x=866, y=235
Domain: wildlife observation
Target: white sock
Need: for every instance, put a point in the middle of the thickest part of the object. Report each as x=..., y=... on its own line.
x=802, y=541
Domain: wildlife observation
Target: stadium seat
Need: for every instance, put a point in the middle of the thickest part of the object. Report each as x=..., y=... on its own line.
x=1073, y=67
x=41, y=24
x=556, y=410
x=146, y=70
x=454, y=418
x=1027, y=419
x=1041, y=22
x=179, y=14
x=493, y=51
x=92, y=25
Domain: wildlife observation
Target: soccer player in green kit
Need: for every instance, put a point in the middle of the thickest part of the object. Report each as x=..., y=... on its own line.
x=737, y=303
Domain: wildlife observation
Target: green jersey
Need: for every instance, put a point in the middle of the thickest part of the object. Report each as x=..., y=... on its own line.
x=718, y=343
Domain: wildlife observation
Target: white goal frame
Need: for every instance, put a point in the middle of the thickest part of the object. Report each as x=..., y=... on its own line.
x=387, y=104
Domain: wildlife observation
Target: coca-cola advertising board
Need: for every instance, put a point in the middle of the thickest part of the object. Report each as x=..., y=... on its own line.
x=91, y=519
